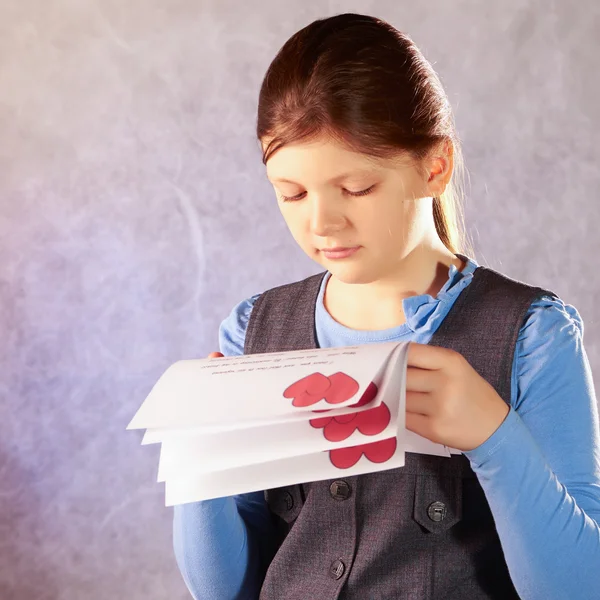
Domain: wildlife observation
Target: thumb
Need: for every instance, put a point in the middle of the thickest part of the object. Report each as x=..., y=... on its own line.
x=215, y=355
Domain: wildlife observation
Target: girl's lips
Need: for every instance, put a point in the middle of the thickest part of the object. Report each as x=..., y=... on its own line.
x=339, y=252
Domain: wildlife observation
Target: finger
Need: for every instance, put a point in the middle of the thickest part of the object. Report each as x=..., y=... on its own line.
x=419, y=424
x=420, y=380
x=429, y=357
x=418, y=403
x=215, y=355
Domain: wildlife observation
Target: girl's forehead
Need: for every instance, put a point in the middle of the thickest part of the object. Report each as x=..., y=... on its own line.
x=326, y=160
x=292, y=170
x=328, y=145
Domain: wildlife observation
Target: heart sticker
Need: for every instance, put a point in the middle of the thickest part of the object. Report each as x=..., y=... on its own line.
x=308, y=390
x=376, y=452
x=368, y=422
x=313, y=388
x=343, y=387
x=368, y=396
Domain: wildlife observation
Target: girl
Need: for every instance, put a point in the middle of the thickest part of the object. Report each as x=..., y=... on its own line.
x=359, y=144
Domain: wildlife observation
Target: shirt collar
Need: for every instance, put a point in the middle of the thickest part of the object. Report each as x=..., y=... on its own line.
x=419, y=310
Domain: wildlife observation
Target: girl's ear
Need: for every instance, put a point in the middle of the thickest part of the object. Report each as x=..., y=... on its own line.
x=439, y=165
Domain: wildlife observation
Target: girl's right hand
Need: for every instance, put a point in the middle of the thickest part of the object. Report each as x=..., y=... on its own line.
x=215, y=355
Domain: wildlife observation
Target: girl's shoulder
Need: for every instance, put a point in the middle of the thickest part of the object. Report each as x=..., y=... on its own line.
x=547, y=315
x=232, y=331
x=551, y=335
x=551, y=314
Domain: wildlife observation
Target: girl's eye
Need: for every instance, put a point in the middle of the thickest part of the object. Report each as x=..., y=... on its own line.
x=300, y=196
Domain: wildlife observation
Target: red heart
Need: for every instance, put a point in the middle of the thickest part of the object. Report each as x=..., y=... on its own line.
x=343, y=387
x=305, y=399
x=320, y=422
x=373, y=421
x=369, y=395
x=308, y=390
x=335, y=431
x=368, y=422
x=346, y=418
x=325, y=421
x=376, y=452
x=315, y=384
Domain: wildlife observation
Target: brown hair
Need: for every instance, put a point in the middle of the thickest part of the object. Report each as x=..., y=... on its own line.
x=363, y=83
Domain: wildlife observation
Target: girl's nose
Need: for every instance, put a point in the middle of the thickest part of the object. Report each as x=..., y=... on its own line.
x=326, y=216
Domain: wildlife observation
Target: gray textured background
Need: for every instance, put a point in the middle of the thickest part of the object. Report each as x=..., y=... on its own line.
x=135, y=212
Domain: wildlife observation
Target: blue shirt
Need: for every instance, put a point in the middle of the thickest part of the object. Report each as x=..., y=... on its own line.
x=540, y=470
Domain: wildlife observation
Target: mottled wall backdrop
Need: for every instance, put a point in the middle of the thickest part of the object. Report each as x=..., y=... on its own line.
x=135, y=212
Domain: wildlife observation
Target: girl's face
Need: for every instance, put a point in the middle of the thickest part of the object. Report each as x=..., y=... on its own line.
x=331, y=198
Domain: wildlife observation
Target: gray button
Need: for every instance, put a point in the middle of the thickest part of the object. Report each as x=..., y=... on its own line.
x=288, y=501
x=436, y=511
x=340, y=490
x=337, y=568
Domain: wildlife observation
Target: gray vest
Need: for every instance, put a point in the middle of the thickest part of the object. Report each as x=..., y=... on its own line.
x=419, y=532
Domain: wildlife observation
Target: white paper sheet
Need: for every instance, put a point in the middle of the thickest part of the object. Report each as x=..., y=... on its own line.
x=250, y=388
x=287, y=471
x=241, y=424
x=205, y=453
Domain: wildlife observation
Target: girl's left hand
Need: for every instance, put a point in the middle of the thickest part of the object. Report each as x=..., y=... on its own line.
x=447, y=401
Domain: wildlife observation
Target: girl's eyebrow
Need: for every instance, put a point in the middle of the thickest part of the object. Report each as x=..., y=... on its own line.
x=335, y=179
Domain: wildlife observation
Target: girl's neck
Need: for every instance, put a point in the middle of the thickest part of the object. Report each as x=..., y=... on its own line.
x=378, y=305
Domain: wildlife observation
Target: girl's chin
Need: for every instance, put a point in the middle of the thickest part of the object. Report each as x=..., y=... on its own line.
x=351, y=274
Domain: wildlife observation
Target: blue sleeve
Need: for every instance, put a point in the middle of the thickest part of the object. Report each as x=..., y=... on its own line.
x=223, y=546
x=540, y=470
